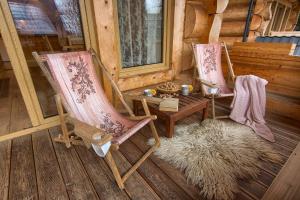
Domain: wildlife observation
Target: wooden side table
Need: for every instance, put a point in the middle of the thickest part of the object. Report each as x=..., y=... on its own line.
x=188, y=105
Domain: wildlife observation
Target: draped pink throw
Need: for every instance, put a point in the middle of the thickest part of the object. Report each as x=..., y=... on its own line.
x=208, y=60
x=248, y=105
x=86, y=101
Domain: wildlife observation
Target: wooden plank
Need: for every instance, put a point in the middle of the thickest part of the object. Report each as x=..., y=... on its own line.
x=177, y=38
x=265, y=177
x=286, y=184
x=272, y=62
x=22, y=175
x=285, y=124
x=77, y=182
x=49, y=179
x=98, y=171
x=22, y=172
x=135, y=186
x=243, y=196
x=5, y=147
x=293, y=135
x=140, y=140
x=28, y=131
x=253, y=188
x=157, y=179
x=4, y=87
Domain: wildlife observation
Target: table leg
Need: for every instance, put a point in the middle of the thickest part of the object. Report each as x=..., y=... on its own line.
x=204, y=113
x=135, y=105
x=170, y=128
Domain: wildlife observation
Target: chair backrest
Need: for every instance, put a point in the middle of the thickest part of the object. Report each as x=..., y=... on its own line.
x=73, y=77
x=208, y=63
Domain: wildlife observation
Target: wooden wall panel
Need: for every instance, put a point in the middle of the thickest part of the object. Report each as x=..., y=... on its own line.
x=272, y=62
x=108, y=42
x=179, y=15
x=144, y=80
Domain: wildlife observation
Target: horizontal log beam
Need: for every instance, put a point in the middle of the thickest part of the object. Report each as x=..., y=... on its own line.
x=232, y=29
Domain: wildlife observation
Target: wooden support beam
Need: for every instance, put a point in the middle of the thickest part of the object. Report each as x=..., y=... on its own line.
x=28, y=131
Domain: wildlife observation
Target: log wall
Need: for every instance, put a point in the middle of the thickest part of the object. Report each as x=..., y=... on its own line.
x=272, y=62
x=105, y=15
x=203, y=21
x=234, y=19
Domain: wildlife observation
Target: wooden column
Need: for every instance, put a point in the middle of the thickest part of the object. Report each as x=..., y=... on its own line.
x=203, y=22
x=105, y=27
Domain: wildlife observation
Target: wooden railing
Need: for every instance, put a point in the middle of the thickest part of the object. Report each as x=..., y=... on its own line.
x=275, y=63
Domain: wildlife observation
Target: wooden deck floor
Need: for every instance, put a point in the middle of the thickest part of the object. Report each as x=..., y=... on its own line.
x=35, y=167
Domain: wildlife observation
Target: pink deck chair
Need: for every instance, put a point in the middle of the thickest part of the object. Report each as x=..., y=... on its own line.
x=95, y=120
x=208, y=65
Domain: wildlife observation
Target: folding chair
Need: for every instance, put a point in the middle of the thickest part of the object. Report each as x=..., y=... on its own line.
x=208, y=64
x=95, y=120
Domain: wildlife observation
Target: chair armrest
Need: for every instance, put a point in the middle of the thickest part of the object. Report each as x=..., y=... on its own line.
x=144, y=100
x=138, y=118
x=153, y=100
x=88, y=133
x=209, y=84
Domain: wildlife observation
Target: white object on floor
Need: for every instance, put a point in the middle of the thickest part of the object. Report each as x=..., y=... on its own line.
x=101, y=150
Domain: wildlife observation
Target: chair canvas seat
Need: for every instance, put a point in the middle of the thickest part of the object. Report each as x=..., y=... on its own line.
x=209, y=68
x=121, y=138
x=73, y=77
x=208, y=60
x=84, y=98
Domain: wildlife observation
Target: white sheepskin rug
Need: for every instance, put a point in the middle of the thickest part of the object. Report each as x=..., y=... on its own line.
x=214, y=154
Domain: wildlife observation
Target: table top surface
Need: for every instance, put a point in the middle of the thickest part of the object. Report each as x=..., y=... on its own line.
x=186, y=103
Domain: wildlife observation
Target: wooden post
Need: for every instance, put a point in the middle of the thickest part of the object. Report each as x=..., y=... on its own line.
x=213, y=106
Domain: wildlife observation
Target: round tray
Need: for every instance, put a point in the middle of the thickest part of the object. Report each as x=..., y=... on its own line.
x=167, y=91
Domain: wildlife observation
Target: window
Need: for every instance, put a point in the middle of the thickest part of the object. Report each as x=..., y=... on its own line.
x=30, y=19
x=280, y=14
x=143, y=31
x=70, y=16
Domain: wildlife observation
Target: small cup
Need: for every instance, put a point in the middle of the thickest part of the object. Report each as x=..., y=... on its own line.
x=213, y=90
x=148, y=93
x=185, y=90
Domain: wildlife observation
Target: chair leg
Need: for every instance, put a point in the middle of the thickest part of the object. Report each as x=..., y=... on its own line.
x=111, y=162
x=154, y=133
x=65, y=137
x=213, y=106
x=151, y=123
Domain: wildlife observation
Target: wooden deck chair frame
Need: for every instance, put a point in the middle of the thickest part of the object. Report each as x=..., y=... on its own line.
x=213, y=85
x=88, y=133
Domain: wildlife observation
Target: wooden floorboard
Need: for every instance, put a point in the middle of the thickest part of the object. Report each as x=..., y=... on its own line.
x=287, y=184
x=77, y=182
x=100, y=175
x=5, y=147
x=140, y=140
x=49, y=178
x=35, y=167
x=135, y=186
x=156, y=178
x=23, y=183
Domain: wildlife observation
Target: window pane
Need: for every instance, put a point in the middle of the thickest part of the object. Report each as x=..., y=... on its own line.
x=141, y=31
x=47, y=26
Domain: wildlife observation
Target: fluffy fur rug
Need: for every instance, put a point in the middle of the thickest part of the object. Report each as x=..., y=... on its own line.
x=215, y=153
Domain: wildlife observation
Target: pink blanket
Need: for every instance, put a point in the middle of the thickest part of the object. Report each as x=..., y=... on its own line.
x=248, y=105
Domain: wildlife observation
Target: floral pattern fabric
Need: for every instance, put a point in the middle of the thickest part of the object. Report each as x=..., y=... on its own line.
x=83, y=95
x=208, y=61
x=81, y=82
